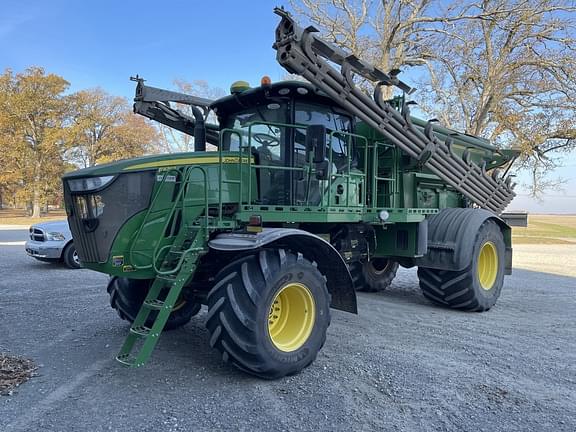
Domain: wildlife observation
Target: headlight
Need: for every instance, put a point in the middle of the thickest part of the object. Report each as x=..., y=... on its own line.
x=55, y=236
x=88, y=183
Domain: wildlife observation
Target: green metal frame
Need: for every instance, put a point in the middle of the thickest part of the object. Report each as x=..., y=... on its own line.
x=245, y=159
x=171, y=281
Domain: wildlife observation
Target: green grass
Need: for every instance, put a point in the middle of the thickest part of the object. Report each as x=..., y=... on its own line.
x=546, y=229
x=18, y=217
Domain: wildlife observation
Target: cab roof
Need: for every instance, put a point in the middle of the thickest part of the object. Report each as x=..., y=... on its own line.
x=264, y=94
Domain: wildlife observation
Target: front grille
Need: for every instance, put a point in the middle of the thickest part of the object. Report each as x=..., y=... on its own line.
x=95, y=218
x=37, y=234
x=85, y=242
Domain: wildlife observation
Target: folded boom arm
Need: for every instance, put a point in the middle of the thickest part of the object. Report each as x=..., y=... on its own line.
x=154, y=103
x=301, y=52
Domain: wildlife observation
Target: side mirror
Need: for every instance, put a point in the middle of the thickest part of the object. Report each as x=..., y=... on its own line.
x=316, y=142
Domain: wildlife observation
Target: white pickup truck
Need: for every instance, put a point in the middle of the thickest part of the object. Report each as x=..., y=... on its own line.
x=52, y=242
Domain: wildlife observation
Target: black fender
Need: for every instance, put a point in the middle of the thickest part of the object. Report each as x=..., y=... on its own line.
x=329, y=261
x=451, y=235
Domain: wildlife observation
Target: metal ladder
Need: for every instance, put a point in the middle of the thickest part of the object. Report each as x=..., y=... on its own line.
x=301, y=52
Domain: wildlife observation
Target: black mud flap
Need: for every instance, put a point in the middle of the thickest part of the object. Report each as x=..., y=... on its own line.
x=451, y=235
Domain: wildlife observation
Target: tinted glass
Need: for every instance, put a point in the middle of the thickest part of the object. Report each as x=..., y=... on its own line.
x=267, y=136
x=308, y=114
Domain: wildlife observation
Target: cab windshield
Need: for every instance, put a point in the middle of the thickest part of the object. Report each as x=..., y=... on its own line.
x=257, y=123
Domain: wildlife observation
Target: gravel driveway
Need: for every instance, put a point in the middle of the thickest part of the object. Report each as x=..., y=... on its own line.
x=401, y=364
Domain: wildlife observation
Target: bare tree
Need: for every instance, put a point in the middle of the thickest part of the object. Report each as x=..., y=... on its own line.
x=172, y=140
x=501, y=69
x=510, y=77
x=389, y=34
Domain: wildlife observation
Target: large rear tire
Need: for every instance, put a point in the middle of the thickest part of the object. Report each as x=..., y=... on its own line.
x=268, y=313
x=477, y=287
x=374, y=275
x=127, y=296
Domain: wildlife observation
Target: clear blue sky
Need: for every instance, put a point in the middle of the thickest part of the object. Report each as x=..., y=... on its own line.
x=101, y=43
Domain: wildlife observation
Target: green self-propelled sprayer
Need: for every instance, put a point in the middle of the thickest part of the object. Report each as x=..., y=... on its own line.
x=315, y=190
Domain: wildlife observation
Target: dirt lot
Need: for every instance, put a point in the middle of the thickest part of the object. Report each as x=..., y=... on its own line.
x=401, y=364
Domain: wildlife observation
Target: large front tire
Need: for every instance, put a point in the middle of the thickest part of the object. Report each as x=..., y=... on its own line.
x=477, y=287
x=268, y=313
x=127, y=296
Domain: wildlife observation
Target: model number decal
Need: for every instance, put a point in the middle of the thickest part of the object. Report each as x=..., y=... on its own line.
x=169, y=178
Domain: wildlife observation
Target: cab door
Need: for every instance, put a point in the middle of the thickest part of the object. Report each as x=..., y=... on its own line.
x=339, y=151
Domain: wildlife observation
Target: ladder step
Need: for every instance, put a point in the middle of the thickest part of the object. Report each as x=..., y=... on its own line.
x=154, y=304
x=140, y=331
x=127, y=360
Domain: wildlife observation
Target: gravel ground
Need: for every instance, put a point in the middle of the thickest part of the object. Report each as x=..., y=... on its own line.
x=401, y=364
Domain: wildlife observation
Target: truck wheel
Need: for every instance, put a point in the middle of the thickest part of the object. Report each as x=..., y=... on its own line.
x=70, y=257
x=268, y=313
x=374, y=275
x=477, y=287
x=127, y=296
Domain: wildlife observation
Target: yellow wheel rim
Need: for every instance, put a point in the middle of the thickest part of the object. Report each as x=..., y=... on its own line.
x=179, y=304
x=291, y=318
x=487, y=265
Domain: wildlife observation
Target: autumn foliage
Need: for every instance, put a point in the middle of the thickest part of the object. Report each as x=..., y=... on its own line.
x=44, y=132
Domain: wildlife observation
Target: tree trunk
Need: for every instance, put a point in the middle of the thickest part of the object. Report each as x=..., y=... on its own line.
x=36, y=204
